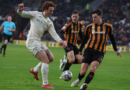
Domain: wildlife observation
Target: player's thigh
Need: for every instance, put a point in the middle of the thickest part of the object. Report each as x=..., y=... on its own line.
x=84, y=68
x=71, y=56
x=87, y=57
x=5, y=38
x=42, y=56
x=96, y=60
x=79, y=57
x=49, y=55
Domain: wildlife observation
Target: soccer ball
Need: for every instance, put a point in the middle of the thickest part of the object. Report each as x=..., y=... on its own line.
x=67, y=75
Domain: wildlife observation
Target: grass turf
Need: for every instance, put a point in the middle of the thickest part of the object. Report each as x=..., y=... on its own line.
x=112, y=74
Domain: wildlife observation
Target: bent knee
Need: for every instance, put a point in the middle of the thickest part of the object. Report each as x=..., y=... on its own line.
x=93, y=68
x=51, y=59
x=71, y=60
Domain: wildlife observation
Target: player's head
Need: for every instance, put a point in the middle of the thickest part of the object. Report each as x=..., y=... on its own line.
x=75, y=16
x=97, y=15
x=83, y=22
x=9, y=18
x=48, y=8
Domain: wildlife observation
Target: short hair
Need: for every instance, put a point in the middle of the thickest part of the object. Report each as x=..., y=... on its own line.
x=48, y=4
x=98, y=12
x=75, y=12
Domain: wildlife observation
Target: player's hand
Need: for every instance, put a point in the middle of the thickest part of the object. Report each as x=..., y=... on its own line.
x=81, y=53
x=63, y=43
x=21, y=7
x=9, y=29
x=118, y=53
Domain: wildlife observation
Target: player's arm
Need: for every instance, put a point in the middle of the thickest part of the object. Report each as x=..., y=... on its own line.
x=85, y=39
x=28, y=14
x=1, y=27
x=111, y=36
x=14, y=29
x=53, y=33
x=64, y=30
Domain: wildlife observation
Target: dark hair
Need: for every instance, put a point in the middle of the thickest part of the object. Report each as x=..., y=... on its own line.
x=75, y=12
x=98, y=12
x=48, y=4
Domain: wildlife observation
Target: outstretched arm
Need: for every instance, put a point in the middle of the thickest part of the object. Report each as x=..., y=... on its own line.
x=113, y=41
x=28, y=14
x=56, y=36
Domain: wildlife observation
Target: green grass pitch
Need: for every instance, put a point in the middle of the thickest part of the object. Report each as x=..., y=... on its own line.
x=112, y=74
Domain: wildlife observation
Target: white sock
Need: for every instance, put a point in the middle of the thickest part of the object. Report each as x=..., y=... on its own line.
x=44, y=71
x=64, y=61
x=65, y=56
x=36, y=69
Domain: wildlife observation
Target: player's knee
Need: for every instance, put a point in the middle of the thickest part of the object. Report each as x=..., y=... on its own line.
x=71, y=60
x=51, y=59
x=93, y=68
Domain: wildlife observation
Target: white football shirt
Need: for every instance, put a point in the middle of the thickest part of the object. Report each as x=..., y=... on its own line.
x=39, y=24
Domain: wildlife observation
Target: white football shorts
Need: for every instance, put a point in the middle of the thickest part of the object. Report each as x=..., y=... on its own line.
x=34, y=46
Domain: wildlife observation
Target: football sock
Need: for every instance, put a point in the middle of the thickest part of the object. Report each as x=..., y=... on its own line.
x=65, y=61
x=44, y=71
x=80, y=76
x=67, y=66
x=89, y=77
x=76, y=61
x=36, y=69
x=4, y=47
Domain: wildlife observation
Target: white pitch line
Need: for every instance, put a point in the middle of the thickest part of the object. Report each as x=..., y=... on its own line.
x=70, y=69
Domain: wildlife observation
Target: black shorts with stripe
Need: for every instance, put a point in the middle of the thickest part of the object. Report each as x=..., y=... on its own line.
x=91, y=55
x=71, y=47
x=6, y=37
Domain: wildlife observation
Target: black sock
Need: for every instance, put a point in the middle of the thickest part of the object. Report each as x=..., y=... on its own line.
x=4, y=48
x=67, y=66
x=89, y=77
x=76, y=61
x=80, y=76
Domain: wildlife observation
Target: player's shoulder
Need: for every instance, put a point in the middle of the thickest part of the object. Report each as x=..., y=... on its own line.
x=69, y=23
x=90, y=25
x=108, y=24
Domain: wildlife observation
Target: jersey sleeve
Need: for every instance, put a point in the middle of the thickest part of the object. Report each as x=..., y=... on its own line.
x=87, y=31
x=111, y=30
x=65, y=28
x=53, y=33
x=111, y=36
x=14, y=27
x=27, y=14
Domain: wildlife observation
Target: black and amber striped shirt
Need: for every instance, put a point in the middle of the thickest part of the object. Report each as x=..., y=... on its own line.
x=96, y=37
x=72, y=32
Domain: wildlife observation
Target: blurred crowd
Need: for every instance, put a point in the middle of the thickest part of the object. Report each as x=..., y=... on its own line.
x=114, y=12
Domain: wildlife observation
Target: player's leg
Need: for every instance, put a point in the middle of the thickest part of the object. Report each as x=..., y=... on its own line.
x=38, y=50
x=42, y=56
x=49, y=55
x=71, y=60
x=84, y=67
x=96, y=60
x=78, y=59
x=5, y=44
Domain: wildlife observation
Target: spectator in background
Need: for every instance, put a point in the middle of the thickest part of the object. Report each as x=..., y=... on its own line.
x=8, y=27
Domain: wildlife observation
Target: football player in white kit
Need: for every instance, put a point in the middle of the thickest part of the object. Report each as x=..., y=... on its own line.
x=39, y=23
